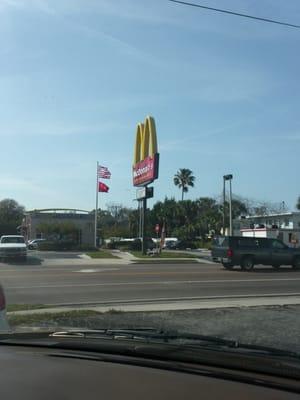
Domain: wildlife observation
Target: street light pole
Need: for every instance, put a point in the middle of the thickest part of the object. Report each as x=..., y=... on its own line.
x=230, y=208
x=224, y=200
x=228, y=178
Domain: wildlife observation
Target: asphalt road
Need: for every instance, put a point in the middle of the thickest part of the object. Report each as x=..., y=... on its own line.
x=64, y=283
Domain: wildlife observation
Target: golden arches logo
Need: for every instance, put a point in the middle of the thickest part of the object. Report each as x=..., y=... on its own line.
x=146, y=140
x=146, y=157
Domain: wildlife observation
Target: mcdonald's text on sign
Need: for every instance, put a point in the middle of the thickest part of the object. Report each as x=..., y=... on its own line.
x=146, y=171
x=146, y=157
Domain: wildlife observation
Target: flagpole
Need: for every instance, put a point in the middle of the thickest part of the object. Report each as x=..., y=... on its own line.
x=96, y=209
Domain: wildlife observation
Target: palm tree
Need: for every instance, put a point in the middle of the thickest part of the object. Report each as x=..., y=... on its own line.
x=183, y=179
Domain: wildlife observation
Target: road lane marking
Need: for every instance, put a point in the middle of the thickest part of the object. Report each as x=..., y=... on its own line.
x=203, y=282
x=89, y=271
x=121, y=273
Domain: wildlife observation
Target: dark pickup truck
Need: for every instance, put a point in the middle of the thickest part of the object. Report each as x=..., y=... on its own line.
x=247, y=251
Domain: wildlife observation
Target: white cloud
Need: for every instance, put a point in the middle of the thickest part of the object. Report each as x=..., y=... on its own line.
x=144, y=12
x=63, y=129
x=11, y=184
x=40, y=5
x=4, y=4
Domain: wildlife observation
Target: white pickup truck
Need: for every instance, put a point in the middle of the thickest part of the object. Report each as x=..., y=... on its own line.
x=13, y=246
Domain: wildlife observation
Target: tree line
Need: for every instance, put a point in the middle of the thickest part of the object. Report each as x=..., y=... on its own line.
x=185, y=219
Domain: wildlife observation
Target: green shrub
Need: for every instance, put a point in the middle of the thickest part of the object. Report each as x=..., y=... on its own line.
x=136, y=245
x=110, y=246
x=123, y=245
x=204, y=244
x=85, y=247
x=187, y=244
x=64, y=245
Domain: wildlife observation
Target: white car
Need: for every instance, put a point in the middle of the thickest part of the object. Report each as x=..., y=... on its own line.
x=34, y=244
x=4, y=327
x=13, y=246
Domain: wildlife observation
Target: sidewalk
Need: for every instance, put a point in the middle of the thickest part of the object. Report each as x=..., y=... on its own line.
x=197, y=304
x=85, y=261
x=127, y=258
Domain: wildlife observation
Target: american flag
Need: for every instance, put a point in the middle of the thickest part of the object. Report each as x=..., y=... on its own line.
x=103, y=172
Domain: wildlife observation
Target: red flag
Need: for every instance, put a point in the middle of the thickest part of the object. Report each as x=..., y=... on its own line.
x=103, y=188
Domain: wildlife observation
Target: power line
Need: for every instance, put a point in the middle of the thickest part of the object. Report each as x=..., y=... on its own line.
x=272, y=21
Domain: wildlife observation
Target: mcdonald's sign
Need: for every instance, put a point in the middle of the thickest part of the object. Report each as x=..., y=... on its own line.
x=146, y=157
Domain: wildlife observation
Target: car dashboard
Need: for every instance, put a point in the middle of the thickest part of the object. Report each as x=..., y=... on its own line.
x=30, y=373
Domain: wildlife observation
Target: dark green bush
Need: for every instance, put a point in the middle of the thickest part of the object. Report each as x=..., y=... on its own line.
x=111, y=245
x=187, y=244
x=123, y=245
x=64, y=245
x=136, y=245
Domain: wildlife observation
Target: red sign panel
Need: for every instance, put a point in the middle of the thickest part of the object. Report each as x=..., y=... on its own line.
x=146, y=171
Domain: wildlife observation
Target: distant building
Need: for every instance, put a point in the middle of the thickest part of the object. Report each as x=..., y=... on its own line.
x=82, y=220
x=284, y=226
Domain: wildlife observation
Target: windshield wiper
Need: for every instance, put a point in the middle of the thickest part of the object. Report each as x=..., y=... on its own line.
x=151, y=335
x=148, y=334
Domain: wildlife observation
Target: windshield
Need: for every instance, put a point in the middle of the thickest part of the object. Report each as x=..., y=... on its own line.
x=164, y=137
x=12, y=239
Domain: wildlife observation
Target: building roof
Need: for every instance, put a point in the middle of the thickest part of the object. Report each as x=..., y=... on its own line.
x=283, y=214
x=58, y=211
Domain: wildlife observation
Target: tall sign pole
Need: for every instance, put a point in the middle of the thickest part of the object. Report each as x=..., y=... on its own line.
x=140, y=218
x=144, y=242
x=145, y=166
x=96, y=209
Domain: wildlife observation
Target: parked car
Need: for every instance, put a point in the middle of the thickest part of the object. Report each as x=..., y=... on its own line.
x=34, y=244
x=3, y=321
x=171, y=244
x=13, y=246
x=247, y=252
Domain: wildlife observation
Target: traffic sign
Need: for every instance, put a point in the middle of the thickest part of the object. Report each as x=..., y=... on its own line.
x=144, y=193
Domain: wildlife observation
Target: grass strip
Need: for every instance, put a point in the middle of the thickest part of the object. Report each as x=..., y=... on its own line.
x=163, y=254
x=165, y=261
x=101, y=254
x=50, y=318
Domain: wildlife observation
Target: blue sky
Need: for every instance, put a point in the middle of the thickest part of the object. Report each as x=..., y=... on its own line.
x=77, y=76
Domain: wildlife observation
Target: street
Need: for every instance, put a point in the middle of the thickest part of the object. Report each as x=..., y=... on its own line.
x=65, y=282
